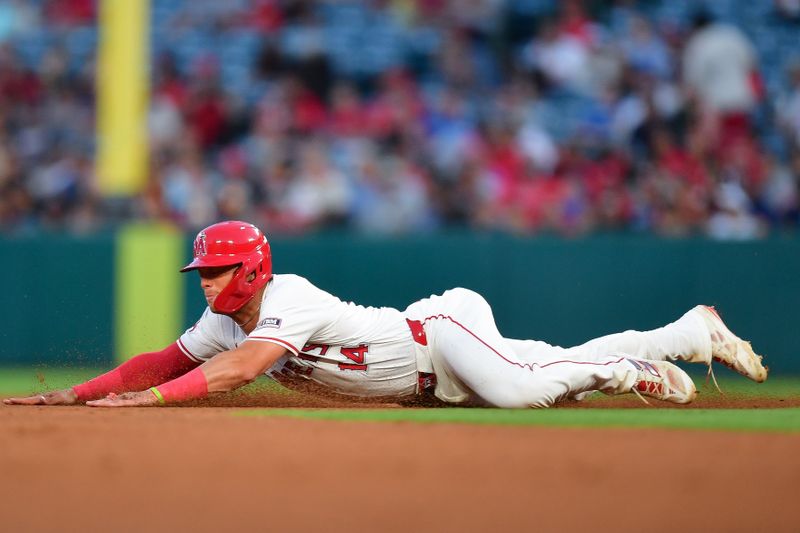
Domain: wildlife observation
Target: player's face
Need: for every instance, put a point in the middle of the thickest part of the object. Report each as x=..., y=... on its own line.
x=213, y=280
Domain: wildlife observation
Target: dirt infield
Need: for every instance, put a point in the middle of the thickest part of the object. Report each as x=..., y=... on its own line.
x=203, y=469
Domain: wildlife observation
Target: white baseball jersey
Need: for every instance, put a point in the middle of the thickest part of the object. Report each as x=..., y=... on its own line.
x=357, y=350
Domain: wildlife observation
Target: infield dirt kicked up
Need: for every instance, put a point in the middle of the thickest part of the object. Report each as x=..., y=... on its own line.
x=203, y=468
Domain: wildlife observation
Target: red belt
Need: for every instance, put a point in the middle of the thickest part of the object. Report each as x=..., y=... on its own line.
x=417, y=332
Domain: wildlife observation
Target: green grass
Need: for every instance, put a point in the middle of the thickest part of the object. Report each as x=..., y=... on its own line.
x=33, y=380
x=779, y=420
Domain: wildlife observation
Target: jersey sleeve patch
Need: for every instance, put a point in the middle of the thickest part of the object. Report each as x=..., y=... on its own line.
x=269, y=322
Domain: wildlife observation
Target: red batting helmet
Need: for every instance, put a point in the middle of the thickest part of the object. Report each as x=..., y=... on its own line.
x=234, y=243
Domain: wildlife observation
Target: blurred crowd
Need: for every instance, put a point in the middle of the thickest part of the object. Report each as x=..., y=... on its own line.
x=496, y=115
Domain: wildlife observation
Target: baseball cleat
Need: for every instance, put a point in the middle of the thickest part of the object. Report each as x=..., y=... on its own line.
x=662, y=380
x=730, y=350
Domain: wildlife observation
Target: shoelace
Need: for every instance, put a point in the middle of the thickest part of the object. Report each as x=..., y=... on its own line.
x=639, y=395
x=711, y=375
x=648, y=384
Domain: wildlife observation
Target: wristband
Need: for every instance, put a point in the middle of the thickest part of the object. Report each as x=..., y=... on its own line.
x=190, y=386
x=158, y=395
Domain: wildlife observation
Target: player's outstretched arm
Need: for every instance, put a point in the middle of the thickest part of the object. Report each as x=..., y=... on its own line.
x=224, y=372
x=58, y=397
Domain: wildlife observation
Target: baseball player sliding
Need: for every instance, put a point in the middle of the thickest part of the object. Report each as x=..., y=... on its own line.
x=281, y=324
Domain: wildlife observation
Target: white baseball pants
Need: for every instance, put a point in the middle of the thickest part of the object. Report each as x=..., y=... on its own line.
x=470, y=356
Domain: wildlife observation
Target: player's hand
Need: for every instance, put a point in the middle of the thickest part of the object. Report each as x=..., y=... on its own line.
x=58, y=397
x=127, y=399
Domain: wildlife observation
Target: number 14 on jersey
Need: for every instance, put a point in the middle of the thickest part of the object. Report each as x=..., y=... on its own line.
x=357, y=355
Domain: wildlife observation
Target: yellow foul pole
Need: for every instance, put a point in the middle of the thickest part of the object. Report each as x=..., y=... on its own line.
x=122, y=94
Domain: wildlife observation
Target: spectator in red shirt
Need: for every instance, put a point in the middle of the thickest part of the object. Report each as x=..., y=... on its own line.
x=348, y=116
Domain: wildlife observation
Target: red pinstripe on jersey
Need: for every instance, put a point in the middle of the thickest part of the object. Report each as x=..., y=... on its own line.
x=187, y=353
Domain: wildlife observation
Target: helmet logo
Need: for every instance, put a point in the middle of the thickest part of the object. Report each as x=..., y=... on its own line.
x=200, y=245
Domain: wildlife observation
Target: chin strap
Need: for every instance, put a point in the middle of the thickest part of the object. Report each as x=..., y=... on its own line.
x=255, y=314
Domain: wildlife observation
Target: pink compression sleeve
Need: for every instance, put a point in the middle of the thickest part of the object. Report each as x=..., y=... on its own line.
x=138, y=373
x=190, y=386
